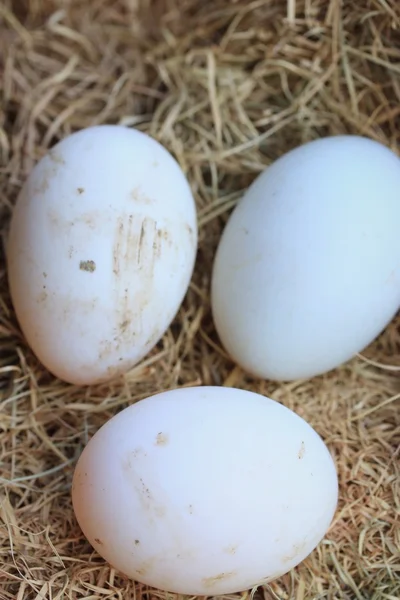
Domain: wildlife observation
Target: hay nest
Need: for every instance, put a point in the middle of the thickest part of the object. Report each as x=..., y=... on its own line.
x=227, y=86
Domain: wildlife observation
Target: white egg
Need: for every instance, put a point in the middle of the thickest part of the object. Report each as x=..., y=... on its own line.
x=101, y=250
x=307, y=272
x=205, y=491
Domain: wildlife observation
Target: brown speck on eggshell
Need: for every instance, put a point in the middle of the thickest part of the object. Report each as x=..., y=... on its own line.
x=87, y=265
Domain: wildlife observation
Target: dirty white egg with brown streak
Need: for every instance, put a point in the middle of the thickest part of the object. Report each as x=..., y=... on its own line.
x=101, y=250
x=205, y=491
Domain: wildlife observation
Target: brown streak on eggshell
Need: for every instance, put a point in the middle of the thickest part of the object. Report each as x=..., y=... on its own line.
x=147, y=498
x=301, y=451
x=134, y=251
x=211, y=581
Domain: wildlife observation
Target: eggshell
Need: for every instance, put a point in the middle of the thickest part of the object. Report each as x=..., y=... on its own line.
x=205, y=490
x=307, y=272
x=101, y=249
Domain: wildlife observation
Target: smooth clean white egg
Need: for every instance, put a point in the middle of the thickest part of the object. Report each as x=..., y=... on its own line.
x=205, y=491
x=101, y=250
x=307, y=272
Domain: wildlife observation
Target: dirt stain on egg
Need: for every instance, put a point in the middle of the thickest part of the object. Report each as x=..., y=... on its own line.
x=124, y=325
x=147, y=247
x=47, y=171
x=147, y=498
x=149, y=502
x=42, y=297
x=145, y=490
x=56, y=157
x=137, y=453
x=211, y=581
x=98, y=541
x=90, y=219
x=105, y=349
x=141, y=239
x=296, y=550
x=135, y=251
x=138, y=196
x=146, y=566
x=43, y=185
x=162, y=439
x=122, y=244
x=230, y=549
x=87, y=265
x=163, y=241
x=269, y=578
x=137, y=243
x=191, y=232
x=301, y=451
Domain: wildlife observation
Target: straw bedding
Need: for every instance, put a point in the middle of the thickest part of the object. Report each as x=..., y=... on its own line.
x=227, y=86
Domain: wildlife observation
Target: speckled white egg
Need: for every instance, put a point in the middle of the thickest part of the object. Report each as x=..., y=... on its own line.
x=205, y=491
x=101, y=250
x=307, y=272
